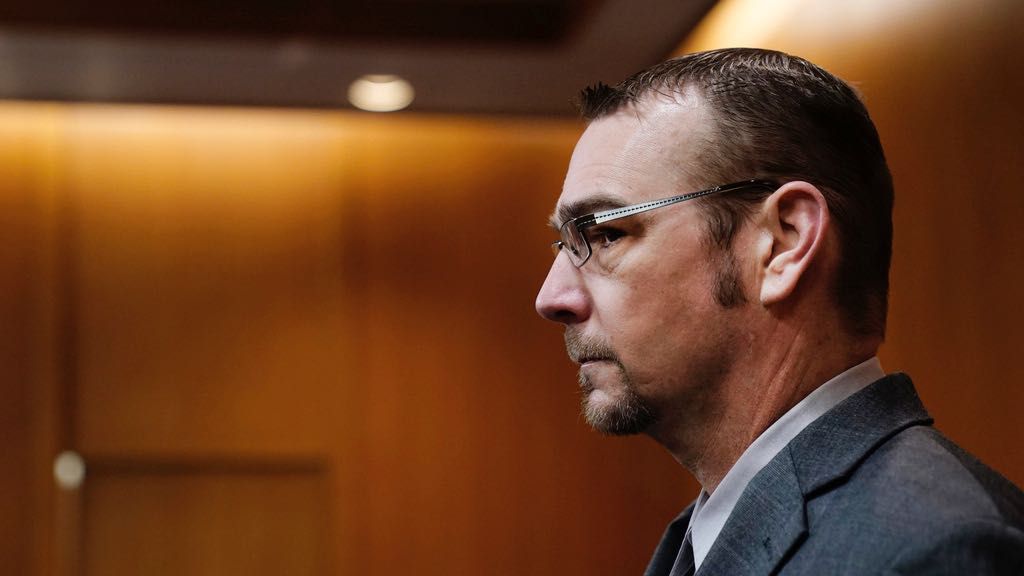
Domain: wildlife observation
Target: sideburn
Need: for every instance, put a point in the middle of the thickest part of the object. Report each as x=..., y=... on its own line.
x=728, y=289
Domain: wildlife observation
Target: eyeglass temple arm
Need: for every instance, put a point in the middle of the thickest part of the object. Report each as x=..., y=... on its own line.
x=599, y=217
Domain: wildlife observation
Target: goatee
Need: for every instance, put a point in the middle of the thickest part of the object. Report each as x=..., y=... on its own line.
x=627, y=412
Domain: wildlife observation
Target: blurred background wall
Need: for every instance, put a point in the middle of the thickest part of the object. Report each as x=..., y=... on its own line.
x=303, y=342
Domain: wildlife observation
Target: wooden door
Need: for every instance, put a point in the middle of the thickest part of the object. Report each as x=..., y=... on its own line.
x=207, y=343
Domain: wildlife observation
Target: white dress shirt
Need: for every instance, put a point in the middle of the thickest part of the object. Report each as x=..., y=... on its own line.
x=712, y=510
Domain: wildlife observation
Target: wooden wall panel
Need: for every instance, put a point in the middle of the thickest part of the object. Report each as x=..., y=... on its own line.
x=29, y=339
x=240, y=285
x=943, y=82
x=169, y=519
x=208, y=252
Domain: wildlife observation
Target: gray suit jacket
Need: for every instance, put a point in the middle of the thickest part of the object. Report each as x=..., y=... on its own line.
x=868, y=488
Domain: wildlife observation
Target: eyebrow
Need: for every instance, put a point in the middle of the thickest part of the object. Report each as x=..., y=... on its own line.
x=589, y=205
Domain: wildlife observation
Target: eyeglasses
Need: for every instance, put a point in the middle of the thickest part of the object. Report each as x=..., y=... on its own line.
x=573, y=232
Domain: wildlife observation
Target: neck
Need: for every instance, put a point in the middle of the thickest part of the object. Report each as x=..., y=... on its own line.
x=709, y=436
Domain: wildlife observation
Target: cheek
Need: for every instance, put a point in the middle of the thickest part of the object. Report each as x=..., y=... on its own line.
x=672, y=305
x=656, y=300
x=656, y=318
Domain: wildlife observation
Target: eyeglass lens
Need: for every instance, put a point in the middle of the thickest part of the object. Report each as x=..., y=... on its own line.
x=575, y=243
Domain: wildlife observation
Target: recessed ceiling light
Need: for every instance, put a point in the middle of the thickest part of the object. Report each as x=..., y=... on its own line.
x=380, y=93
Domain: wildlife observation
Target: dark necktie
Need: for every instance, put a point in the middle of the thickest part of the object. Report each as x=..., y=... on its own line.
x=684, y=561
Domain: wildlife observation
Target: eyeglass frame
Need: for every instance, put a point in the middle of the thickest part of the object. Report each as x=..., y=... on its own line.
x=580, y=223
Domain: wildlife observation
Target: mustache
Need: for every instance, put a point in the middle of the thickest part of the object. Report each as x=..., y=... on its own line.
x=582, y=348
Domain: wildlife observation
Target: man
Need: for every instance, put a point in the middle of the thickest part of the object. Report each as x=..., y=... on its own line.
x=722, y=276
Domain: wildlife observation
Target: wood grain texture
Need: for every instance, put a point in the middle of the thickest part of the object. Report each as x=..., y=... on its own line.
x=354, y=290
x=29, y=270
x=167, y=519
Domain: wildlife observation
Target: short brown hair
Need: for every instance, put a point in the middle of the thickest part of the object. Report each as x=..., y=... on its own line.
x=781, y=118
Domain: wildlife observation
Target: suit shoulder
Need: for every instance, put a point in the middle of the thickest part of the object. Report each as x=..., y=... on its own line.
x=923, y=475
x=977, y=547
x=914, y=503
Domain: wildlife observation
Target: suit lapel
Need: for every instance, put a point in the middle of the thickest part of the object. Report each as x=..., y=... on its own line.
x=769, y=522
x=834, y=445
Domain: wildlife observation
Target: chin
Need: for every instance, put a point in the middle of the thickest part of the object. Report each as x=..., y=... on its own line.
x=621, y=415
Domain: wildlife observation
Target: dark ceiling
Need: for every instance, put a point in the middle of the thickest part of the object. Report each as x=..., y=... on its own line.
x=462, y=56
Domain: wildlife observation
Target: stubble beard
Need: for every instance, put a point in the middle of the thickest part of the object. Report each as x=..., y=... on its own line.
x=627, y=412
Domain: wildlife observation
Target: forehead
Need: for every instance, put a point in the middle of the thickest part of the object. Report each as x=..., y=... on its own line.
x=643, y=152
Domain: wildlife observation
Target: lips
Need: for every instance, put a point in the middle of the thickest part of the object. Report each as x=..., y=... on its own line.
x=583, y=361
x=582, y=357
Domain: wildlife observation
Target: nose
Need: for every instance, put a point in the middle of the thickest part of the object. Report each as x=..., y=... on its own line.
x=562, y=297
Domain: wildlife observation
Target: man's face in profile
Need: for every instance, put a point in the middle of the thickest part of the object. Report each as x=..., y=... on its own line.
x=640, y=315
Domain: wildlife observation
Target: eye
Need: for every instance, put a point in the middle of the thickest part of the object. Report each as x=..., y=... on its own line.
x=604, y=237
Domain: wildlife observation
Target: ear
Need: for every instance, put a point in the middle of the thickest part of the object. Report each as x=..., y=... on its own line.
x=794, y=222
